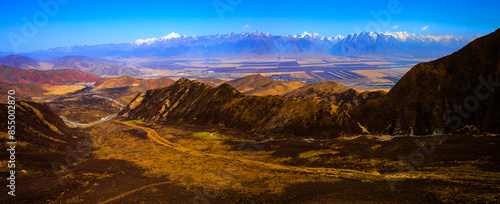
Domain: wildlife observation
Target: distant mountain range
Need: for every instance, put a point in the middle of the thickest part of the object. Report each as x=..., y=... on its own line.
x=258, y=43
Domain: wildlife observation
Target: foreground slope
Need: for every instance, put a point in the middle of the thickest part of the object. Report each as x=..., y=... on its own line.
x=195, y=102
x=453, y=92
x=41, y=127
x=41, y=135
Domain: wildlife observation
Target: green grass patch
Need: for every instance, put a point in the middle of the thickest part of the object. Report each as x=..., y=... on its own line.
x=314, y=153
x=134, y=122
x=208, y=135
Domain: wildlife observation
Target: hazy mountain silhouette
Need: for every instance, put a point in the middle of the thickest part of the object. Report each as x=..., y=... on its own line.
x=19, y=61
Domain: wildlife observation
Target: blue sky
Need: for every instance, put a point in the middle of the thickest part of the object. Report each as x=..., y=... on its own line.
x=90, y=22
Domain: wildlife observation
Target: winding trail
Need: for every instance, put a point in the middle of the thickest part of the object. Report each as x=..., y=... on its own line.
x=111, y=99
x=337, y=173
x=334, y=173
x=78, y=124
x=133, y=191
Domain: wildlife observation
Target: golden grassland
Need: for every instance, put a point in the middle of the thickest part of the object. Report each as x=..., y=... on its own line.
x=203, y=163
x=61, y=90
x=209, y=160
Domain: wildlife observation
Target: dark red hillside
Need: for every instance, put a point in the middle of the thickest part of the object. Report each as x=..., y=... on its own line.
x=52, y=77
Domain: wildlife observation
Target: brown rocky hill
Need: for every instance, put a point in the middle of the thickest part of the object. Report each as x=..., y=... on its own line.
x=198, y=103
x=213, y=82
x=124, y=88
x=127, y=81
x=259, y=85
x=458, y=92
x=335, y=93
x=117, y=82
x=155, y=83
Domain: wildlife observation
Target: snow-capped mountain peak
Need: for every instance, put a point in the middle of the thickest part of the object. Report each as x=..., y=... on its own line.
x=260, y=33
x=258, y=42
x=149, y=41
x=309, y=35
x=170, y=36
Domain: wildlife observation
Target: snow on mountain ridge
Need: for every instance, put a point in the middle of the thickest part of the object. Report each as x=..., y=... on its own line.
x=400, y=36
x=170, y=36
x=260, y=43
x=150, y=41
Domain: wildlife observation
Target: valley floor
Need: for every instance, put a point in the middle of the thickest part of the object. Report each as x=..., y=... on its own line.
x=133, y=162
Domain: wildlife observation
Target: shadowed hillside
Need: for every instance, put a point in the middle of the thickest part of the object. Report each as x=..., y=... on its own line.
x=198, y=103
x=41, y=135
x=466, y=83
